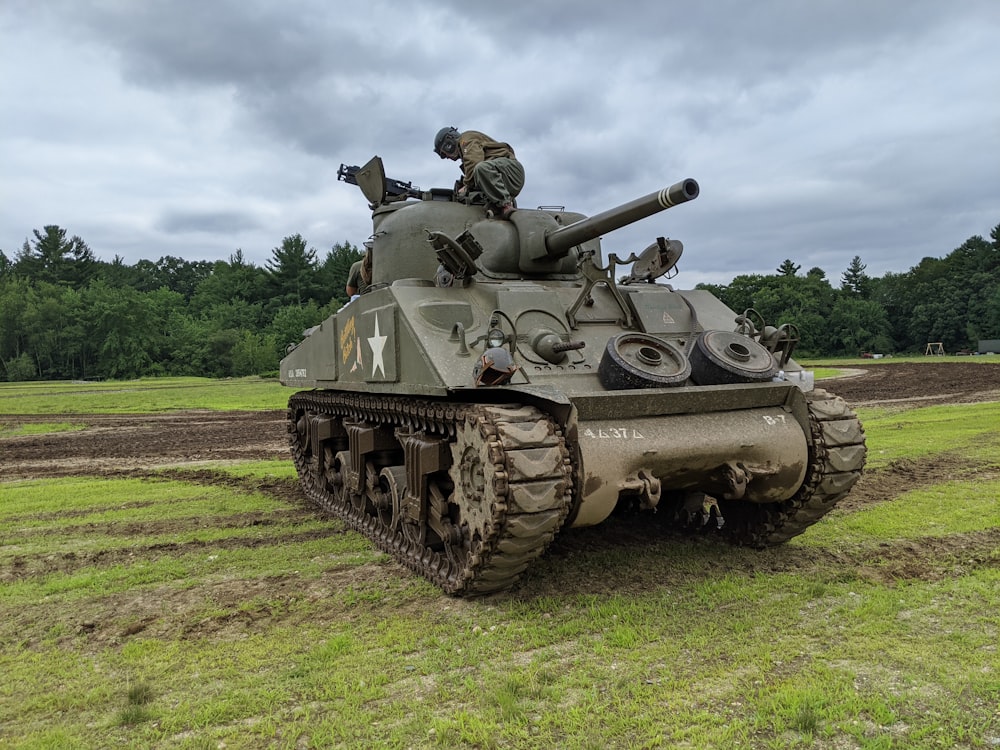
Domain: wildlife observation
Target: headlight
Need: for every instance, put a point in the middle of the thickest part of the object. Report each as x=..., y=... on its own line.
x=495, y=338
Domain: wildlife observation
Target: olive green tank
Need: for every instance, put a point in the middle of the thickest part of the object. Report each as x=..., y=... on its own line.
x=501, y=381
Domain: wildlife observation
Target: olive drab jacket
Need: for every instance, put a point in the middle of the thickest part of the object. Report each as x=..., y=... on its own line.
x=478, y=147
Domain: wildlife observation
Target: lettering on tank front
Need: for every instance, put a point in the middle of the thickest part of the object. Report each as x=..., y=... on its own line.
x=613, y=433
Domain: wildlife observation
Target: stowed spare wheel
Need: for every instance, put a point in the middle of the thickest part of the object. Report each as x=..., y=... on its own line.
x=638, y=360
x=721, y=357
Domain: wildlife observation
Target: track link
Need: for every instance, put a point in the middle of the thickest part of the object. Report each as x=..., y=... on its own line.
x=505, y=491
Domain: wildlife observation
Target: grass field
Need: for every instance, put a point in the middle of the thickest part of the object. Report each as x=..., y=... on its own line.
x=147, y=395
x=194, y=609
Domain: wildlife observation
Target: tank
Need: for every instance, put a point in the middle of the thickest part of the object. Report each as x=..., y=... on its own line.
x=500, y=382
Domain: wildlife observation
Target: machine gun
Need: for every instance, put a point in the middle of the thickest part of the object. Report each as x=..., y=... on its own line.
x=394, y=189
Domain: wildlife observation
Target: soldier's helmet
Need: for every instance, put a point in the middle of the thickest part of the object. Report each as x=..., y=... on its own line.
x=446, y=143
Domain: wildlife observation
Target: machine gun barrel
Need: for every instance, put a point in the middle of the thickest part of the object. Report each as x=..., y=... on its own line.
x=394, y=188
x=559, y=241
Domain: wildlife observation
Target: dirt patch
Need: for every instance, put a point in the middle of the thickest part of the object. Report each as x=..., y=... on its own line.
x=111, y=444
x=154, y=446
x=919, y=383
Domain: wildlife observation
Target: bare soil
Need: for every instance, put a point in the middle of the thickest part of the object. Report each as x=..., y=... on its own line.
x=146, y=446
x=918, y=384
x=111, y=444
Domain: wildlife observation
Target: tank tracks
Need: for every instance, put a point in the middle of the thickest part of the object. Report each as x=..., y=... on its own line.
x=836, y=459
x=467, y=495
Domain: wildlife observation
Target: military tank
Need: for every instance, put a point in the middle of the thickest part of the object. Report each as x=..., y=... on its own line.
x=498, y=381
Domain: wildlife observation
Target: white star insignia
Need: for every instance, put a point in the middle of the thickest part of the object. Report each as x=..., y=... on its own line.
x=377, y=343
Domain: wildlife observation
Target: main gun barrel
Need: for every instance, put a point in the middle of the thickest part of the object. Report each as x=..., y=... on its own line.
x=559, y=241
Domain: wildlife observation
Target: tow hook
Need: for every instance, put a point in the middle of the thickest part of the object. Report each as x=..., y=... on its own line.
x=705, y=508
x=645, y=485
x=709, y=509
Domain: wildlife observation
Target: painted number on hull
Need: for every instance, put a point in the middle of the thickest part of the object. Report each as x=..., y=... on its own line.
x=614, y=433
x=780, y=419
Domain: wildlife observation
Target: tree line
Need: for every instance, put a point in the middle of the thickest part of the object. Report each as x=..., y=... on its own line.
x=954, y=300
x=65, y=314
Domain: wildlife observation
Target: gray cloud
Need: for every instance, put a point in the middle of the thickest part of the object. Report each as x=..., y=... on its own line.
x=818, y=131
x=210, y=222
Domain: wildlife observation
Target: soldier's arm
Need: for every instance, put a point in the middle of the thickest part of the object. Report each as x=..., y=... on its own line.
x=472, y=154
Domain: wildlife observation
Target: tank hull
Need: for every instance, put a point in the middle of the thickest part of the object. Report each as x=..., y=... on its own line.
x=748, y=460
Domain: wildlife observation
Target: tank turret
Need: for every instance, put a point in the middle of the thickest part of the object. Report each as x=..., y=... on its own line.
x=499, y=382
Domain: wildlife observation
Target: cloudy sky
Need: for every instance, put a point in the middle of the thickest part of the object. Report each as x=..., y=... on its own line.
x=818, y=130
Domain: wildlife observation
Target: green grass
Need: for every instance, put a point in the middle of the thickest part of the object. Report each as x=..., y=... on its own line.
x=730, y=660
x=147, y=395
x=275, y=469
x=204, y=528
x=821, y=373
x=969, y=429
x=136, y=499
x=163, y=612
x=39, y=428
x=943, y=509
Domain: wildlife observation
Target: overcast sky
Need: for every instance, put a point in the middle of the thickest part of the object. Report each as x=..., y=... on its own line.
x=818, y=130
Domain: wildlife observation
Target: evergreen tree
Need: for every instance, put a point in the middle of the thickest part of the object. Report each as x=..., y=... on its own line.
x=292, y=273
x=991, y=318
x=787, y=268
x=50, y=257
x=854, y=280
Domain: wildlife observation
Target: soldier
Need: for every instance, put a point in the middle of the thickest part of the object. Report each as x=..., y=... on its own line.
x=360, y=275
x=488, y=166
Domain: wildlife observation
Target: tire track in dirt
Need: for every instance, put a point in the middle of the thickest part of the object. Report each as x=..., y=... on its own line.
x=919, y=383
